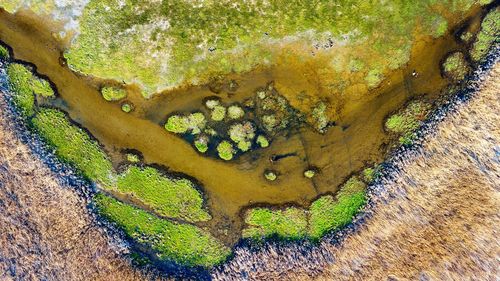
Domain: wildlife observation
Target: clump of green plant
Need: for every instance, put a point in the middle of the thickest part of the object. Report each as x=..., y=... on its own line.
x=330, y=213
x=73, y=145
x=113, y=93
x=270, y=175
x=320, y=117
x=212, y=103
x=201, y=143
x=177, y=124
x=262, y=141
x=373, y=78
x=25, y=85
x=182, y=243
x=408, y=120
x=4, y=53
x=133, y=158
x=455, y=66
x=309, y=173
x=242, y=134
x=196, y=122
x=288, y=224
x=273, y=111
x=168, y=197
x=370, y=174
x=127, y=107
x=218, y=113
x=235, y=112
x=488, y=36
x=226, y=150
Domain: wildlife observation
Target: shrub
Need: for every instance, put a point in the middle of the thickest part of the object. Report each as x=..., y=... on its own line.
x=235, y=112
x=201, y=143
x=218, y=113
x=177, y=124
x=262, y=141
x=288, y=224
x=225, y=150
x=127, y=107
x=168, y=197
x=73, y=145
x=242, y=134
x=455, y=66
x=182, y=243
x=113, y=94
x=270, y=175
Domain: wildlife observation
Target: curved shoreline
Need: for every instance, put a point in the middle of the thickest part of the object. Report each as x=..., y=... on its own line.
x=277, y=259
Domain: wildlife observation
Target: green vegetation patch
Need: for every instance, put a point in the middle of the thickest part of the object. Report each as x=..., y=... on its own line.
x=171, y=42
x=288, y=224
x=73, y=145
x=329, y=213
x=408, y=120
x=455, y=66
x=4, y=53
x=182, y=243
x=113, y=94
x=488, y=36
x=173, y=198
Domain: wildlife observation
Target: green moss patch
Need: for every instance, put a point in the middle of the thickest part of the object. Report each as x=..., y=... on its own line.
x=182, y=243
x=4, y=53
x=113, y=94
x=25, y=85
x=407, y=120
x=288, y=224
x=225, y=150
x=173, y=198
x=329, y=213
x=73, y=145
x=455, y=66
x=488, y=36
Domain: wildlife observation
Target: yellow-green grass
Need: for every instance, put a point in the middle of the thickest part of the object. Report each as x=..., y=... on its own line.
x=173, y=198
x=113, y=94
x=406, y=121
x=181, y=243
x=4, y=53
x=455, y=66
x=288, y=224
x=170, y=42
x=330, y=213
x=25, y=85
x=488, y=36
x=73, y=145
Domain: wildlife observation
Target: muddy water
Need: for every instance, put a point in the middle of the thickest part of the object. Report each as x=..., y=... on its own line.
x=357, y=140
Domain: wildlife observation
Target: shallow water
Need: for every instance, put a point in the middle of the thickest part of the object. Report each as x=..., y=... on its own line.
x=357, y=140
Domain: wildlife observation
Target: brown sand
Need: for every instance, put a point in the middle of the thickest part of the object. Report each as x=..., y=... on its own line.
x=441, y=220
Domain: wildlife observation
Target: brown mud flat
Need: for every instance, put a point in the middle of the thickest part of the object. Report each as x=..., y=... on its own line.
x=357, y=140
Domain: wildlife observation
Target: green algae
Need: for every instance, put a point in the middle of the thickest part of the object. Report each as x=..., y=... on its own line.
x=182, y=243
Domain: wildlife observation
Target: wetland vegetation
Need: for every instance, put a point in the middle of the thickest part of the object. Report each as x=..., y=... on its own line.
x=298, y=149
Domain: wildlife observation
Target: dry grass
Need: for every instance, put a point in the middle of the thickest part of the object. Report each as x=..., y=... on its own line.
x=437, y=219
x=46, y=231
